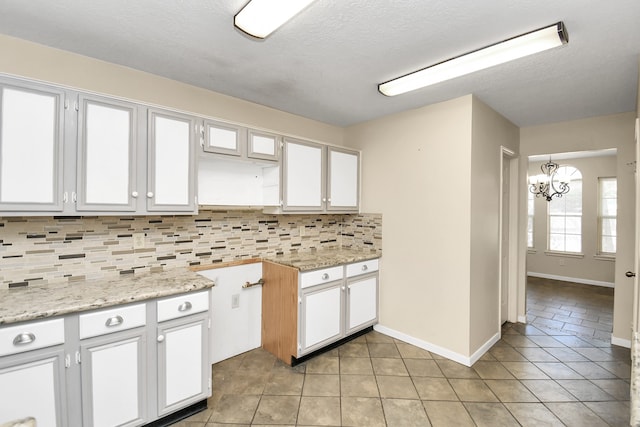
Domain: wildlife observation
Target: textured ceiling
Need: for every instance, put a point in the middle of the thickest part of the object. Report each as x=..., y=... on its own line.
x=326, y=63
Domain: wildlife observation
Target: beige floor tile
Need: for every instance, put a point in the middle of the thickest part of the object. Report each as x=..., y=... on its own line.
x=277, y=410
x=510, y=391
x=377, y=337
x=533, y=414
x=506, y=354
x=434, y=389
x=405, y=413
x=576, y=414
x=323, y=365
x=387, y=366
x=237, y=409
x=566, y=354
x=614, y=413
x=618, y=368
x=472, y=390
x=490, y=414
x=585, y=390
x=619, y=389
x=447, y=414
x=545, y=341
x=525, y=371
x=548, y=391
x=245, y=382
x=356, y=365
x=383, y=350
x=358, y=386
x=518, y=341
x=408, y=351
x=536, y=354
x=362, y=411
x=321, y=385
x=491, y=370
x=396, y=387
x=423, y=368
x=319, y=411
x=284, y=384
x=354, y=350
x=558, y=371
x=452, y=369
x=590, y=370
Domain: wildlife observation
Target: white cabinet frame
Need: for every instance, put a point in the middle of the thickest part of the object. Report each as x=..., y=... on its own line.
x=304, y=176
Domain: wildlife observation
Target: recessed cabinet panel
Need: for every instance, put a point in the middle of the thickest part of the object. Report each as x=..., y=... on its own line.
x=31, y=123
x=171, y=163
x=263, y=145
x=343, y=180
x=106, y=156
x=362, y=305
x=223, y=138
x=304, y=177
x=322, y=321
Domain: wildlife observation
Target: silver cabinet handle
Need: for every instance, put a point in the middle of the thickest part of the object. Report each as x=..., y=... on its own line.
x=150, y=194
x=114, y=321
x=365, y=268
x=160, y=338
x=185, y=306
x=24, y=338
x=134, y=194
x=325, y=276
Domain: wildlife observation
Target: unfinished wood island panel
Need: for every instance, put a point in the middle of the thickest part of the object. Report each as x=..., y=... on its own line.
x=280, y=310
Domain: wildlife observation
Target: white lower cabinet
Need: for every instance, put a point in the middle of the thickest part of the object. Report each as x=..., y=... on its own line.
x=184, y=372
x=362, y=302
x=321, y=316
x=113, y=379
x=32, y=384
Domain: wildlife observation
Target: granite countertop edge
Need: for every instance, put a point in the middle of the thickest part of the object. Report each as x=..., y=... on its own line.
x=45, y=301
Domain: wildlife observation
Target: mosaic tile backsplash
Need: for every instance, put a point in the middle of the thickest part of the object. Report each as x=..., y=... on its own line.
x=39, y=250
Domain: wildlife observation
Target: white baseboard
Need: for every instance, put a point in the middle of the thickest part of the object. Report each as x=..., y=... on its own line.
x=620, y=341
x=441, y=351
x=522, y=319
x=572, y=279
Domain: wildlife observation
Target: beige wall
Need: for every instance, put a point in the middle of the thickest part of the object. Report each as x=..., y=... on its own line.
x=614, y=131
x=490, y=132
x=588, y=268
x=34, y=61
x=416, y=169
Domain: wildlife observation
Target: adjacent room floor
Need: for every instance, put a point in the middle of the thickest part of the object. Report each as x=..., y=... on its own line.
x=538, y=374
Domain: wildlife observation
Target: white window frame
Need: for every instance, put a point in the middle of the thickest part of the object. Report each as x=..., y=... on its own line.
x=575, y=175
x=601, y=217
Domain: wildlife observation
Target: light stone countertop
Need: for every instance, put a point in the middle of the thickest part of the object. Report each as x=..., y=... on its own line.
x=37, y=302
x=307, y=261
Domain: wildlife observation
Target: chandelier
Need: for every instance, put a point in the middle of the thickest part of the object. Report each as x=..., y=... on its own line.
x=550, y=183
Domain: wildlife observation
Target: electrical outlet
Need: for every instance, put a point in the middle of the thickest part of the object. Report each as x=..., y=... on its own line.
x=235, y=300
x=138, y=240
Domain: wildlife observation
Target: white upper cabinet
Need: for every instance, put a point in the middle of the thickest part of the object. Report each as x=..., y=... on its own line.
x=171, y=165
x=263, y=145
x=31, y=148
x=343, y=181
x=106, y=155
x=319, y=178
x=303, y=176
x=223, y=138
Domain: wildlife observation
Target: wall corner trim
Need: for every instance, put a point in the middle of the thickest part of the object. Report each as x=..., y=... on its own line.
x=620, y=342
x=441, y=351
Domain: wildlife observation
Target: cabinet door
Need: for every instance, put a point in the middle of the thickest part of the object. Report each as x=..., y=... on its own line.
x=223, y=138
x=31, y=144
x=263, y=145
x=362, y=302
x=303, y=176
x=106, y=155
x=171, y=167
x=114, y=379
x=321, y=316
x=32, y=385
x=344, y=180
x=184, y=372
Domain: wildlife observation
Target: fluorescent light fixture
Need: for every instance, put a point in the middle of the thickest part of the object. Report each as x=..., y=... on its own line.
x=259, y=18
x=499, y=53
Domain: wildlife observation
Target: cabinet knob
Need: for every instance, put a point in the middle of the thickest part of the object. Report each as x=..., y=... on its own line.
x=134, y=194
x=325, y=276
x=160, y=338
x=24, y=339
x=150, y=194
x=365, y=267
x=324, y=200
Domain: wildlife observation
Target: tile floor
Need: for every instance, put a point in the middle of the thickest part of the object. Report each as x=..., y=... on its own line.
x=537, y=375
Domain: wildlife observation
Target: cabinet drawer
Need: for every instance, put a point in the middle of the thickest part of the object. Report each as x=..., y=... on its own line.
x=362, y=267
x=112, y=320
x=183, y=305
x=31, y=336
x=325, y=275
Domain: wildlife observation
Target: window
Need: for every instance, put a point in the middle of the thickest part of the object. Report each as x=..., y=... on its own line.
x=565, y=215
x=607, y=212
x=530, y=210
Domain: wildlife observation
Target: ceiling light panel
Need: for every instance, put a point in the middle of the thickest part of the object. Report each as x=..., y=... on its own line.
x=259, y=18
